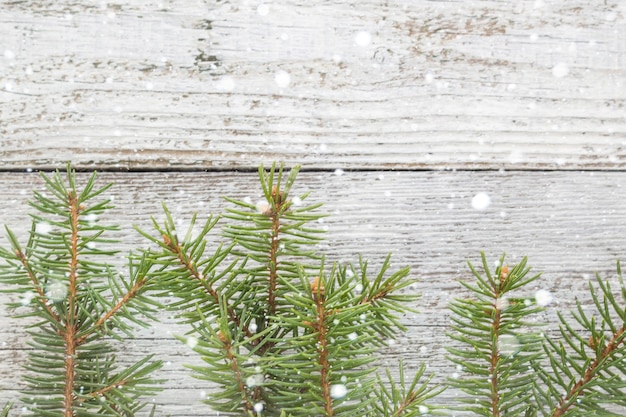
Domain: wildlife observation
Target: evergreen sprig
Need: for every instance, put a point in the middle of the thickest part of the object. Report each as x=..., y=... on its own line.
x=279, y=332
x=508, y=368
x=498, y=350
x=587, y=366
x=77, y=302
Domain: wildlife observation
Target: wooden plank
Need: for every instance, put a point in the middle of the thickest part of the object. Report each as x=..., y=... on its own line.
x=570, y=224
x=398, y=84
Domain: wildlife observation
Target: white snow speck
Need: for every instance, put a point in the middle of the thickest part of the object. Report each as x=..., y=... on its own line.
x=254, y=380
x=543, y=297
x=262, y=206
x=338, y=391
x=352, y=336
x=339, y=172
x=423, y=409
x=258, y=407
x=43, y=228
x=429, y=77
x=225, y=84
x=560, y=70
x=27, y=297
x=508, y=345
x=263, y=9
x=56, y=291
x=516, y=157
x=9, y=54
x=282, y=78
x=481, y=201
x=362, y=38
x=534, y=37
x=192, y=342
x=253, y=327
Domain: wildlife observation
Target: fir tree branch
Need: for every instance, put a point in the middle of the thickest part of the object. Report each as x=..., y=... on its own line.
x=591, y=372
x=499, y=352
x=227, y=347
x=319, y=294
x=177, y=250
x=70, y=320
x=277, y=207
x=69, y=286
x=36, y=283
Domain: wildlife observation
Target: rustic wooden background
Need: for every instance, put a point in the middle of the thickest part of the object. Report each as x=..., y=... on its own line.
x=400, y=112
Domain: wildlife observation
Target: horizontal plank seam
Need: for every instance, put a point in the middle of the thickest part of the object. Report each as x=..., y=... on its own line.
x=244, y=170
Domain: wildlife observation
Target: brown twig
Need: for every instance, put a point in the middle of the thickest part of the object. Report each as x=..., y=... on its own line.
x=405, y=404
x=70, y=323
x=117, y=307
x=234, y=365
x=567, y=401
x=38, y=287
x=319, y=295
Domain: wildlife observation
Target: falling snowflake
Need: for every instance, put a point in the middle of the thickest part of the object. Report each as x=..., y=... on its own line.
x=543, y=297
x=192, y=342
x=560, y=70
x=481, y=201
x=362, y=38
x=282, y=78
x=338, y=391
x=56, y=291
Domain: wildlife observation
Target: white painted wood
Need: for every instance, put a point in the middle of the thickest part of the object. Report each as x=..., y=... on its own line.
x=378, y=84
x=570, y=224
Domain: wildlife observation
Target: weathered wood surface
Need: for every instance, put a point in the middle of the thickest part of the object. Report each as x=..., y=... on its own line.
x=534, y=87
x=399, y=84
x=570, y=224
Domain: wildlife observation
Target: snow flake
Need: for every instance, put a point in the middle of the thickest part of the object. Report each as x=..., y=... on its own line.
x=560, y=70
x=56, y=291
x=263, y=9
x=192, y=342
x=27, y=298
x=282, y=78
x=481, y=201
x=253, y=327
x=254, y=380
x=508, y=345
x=338, y=391
x=263, y=206
x=43, y=228
x=362, y=38
x=226, y=83
x=543, y=297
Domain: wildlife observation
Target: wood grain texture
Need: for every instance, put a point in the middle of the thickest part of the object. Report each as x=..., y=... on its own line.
x=401, y=84
x=570, y=224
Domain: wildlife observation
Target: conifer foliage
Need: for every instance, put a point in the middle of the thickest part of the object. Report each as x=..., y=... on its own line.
x=510, y=368
x=281, y=331
x=77, y=306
